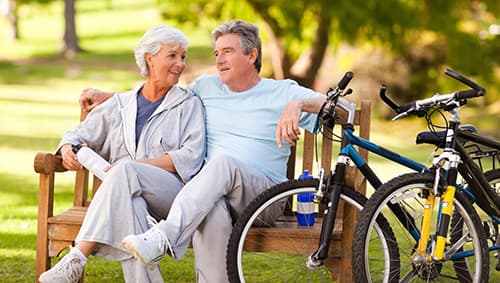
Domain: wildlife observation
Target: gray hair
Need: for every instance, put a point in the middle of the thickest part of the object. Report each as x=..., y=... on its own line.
x=153, y=40
x=249, y=37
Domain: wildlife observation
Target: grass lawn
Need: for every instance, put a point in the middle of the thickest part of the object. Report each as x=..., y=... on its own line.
x=39, y=93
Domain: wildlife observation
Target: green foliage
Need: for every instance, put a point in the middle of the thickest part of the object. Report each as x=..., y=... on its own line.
x=423, y=35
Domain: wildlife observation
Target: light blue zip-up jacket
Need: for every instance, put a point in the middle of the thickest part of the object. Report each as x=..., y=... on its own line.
x=177, y=127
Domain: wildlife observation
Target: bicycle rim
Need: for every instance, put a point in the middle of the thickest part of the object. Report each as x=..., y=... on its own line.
x=286, y=261
x=408, y=191
x=491, y=228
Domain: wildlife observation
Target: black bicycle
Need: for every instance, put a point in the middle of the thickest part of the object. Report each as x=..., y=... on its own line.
x=275, y=208
x=444, y=238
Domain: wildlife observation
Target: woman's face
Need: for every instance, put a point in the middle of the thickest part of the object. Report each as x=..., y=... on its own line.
x=166, y=67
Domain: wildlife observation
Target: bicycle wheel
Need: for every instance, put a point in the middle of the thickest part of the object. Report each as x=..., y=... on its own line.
x=493, y=177
x=286, y=261
x=490, y=227
x=408, y=191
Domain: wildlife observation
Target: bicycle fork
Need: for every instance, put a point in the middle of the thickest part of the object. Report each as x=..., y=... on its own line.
x=334, y=185
x=446, y=194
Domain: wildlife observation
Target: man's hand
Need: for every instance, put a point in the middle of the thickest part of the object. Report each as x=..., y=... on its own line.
x=288, y=124
x=91, y=97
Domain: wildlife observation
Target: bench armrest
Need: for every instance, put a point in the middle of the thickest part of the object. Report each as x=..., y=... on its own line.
x=48, y=163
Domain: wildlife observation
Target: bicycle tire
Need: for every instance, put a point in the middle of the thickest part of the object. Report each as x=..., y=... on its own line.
x=461, y=266
x=279, y=267
x=493, y=177
x=406, y=190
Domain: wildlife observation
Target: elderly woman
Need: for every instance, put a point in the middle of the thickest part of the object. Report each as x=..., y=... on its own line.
x=154, y=137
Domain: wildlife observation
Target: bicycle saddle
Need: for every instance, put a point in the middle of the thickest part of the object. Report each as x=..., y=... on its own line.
x=437, y=138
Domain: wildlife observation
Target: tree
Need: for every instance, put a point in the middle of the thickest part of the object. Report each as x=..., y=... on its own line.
x=70, y=39
x=8, y=9
x=299, y=31
x=70, y=45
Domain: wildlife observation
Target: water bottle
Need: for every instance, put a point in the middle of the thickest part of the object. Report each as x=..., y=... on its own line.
x=305, y=205
x=90, y=160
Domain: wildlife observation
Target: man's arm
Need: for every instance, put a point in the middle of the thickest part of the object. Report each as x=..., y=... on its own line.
x=91, y=97
x=288, y=124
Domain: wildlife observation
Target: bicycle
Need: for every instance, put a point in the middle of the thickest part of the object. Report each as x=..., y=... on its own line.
x=331, y=193
x=450, y=241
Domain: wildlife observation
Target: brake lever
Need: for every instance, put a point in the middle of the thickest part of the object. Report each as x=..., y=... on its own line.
x=400, y=116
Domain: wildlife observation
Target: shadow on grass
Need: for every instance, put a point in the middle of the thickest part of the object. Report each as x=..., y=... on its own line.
x=29, y=143
x=20, y=196
x=26, y=73
x=40, y=101
x=16, y=241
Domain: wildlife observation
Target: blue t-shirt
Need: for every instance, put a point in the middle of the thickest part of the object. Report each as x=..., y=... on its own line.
x=144, y=110
x=243, y=124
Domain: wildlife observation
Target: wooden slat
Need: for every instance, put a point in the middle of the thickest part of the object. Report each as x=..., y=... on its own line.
x=73, y=215
x=277, y=239
x=308, y=152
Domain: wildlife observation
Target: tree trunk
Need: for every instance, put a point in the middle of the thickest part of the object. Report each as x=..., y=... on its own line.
x=70, y=39
x=306, y=68
x=280, y=59
x=9, y=9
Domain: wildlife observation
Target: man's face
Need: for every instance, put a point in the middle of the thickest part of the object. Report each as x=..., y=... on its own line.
x=232, y=64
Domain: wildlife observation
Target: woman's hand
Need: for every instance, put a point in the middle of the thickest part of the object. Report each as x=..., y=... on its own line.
x=69, y=159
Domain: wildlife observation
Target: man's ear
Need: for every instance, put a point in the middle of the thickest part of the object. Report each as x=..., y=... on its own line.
x=253, y=55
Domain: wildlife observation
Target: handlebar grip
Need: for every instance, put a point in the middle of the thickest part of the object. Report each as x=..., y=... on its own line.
x=459, y=77
x=345, y=80
x=386, y=99
x=469, y=93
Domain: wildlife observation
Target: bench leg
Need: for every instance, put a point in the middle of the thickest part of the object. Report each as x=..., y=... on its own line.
x=45, y=205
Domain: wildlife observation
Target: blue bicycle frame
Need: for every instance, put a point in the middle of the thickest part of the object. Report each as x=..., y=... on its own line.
x=336, y=180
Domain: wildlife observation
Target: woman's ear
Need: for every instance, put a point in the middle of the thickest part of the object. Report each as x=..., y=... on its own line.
x=149, y=58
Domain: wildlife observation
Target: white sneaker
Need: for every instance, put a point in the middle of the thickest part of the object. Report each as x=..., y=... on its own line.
x=68, y=270
x=148, y=247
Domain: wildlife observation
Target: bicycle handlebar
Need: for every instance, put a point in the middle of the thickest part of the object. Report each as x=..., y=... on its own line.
x=345, y=80
x=420, y=107
x=327, y=111
x=387, y=100
x=461, y=78
x=333, y=94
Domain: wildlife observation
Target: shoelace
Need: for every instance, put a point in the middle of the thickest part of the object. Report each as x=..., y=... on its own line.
x=71, y=269
x=151, y=221
x=158, y=236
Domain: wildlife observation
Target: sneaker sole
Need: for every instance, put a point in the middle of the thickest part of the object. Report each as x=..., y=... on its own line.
x=131, y=249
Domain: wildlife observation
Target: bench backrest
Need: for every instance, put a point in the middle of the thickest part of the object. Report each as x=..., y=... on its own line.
x=361, y=119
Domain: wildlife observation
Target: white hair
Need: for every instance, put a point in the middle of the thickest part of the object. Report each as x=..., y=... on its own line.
x=153, y=40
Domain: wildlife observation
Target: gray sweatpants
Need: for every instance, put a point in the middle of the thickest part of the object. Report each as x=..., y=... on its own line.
x=204, y=210
x=129, y=193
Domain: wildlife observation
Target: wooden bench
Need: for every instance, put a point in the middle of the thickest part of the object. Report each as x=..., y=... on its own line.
x=57, y=232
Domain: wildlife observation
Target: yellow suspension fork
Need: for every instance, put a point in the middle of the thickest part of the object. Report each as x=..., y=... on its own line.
x=446, y=211
x=426, y=225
